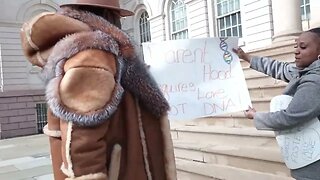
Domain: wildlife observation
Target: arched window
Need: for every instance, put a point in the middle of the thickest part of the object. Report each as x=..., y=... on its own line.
x=32, y=8
x=179, y=24
x=229, y=18
x=144, y=25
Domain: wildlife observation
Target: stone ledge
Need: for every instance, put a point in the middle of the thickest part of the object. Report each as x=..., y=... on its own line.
x=271, y=154
x=226, y=172
x=222, y=130
x=38, y=92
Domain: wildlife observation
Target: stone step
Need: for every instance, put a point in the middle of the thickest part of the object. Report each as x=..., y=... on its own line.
x=281, y=53
x=236, y=119
x=262, y=81
x=222, y=120
x=266, y=91
x=284, y=51
x=251, y=72
x=259, y=158
x=248, y=72
x=207, y=171
x=244, y=64
x=182, y=175
x=245, y=136
x=261, y=104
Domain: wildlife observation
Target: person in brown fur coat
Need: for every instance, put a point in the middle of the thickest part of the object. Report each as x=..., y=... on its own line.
x=107, y=118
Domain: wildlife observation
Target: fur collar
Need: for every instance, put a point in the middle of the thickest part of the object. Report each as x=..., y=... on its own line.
x=132, y=74
x=53, y=74
x=127, y=49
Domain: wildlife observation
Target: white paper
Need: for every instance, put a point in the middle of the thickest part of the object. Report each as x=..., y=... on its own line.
x=199, y=77
x=300, y=146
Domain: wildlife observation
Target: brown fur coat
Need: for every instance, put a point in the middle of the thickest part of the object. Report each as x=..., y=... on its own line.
x=132, y=74
x=107, y=116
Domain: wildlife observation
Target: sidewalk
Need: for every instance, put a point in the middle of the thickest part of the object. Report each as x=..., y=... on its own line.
x=25, y=158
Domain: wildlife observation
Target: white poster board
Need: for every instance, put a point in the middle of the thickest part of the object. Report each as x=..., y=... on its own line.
x=199, y=77
x=299, y=146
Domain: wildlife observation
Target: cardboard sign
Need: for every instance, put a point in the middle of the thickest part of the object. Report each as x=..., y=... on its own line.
x=199, y=77
x=300, y=146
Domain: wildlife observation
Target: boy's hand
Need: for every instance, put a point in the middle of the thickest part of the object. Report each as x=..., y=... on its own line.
x=250, y=113
x=241, y=54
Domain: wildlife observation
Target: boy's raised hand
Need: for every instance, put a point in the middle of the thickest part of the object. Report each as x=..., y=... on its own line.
x=241, y=54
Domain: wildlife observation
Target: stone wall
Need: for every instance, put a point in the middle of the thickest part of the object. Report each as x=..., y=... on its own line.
x=18, y=112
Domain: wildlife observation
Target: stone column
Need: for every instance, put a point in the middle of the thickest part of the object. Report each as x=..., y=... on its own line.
x=286, y=19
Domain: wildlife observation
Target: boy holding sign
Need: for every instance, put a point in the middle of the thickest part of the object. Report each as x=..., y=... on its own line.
x=297, y=123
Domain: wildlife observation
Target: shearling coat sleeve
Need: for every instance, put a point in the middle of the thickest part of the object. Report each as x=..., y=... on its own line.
x=87, y=85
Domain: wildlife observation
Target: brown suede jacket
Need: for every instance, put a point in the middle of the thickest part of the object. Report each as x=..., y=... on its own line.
x=107, y=116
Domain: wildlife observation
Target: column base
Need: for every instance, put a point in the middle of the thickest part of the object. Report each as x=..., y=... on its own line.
x=314, y=24
x=286, y=37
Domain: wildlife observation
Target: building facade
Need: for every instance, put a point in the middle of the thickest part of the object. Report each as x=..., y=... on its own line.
x=260, y=24
x=22, y=107
x=257, y=22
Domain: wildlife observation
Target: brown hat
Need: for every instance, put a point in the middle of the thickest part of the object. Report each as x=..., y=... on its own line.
x=108, y=4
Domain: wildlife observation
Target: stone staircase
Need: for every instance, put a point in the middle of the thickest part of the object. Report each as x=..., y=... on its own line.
x=228, y=147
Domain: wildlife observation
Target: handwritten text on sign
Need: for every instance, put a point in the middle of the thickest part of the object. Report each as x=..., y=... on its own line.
x=199, y=77
x=300, y=145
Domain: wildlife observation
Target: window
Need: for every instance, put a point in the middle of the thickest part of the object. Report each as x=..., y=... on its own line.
x=144, y=24
x=179, y=24
x=229, y=18
x=1, y=72
x=305, y=9
x=41, y=111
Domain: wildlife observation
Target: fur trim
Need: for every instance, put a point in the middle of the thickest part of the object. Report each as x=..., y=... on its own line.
x=97, y=176
x=51, y=133
x=170, y=165
x=68, y=170
x=143, y=143
x=138, y=80
x=115, y=162
x=40, y=59
x=53, y=72
x=98, y=23
x=73, y=44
